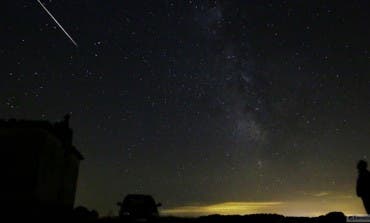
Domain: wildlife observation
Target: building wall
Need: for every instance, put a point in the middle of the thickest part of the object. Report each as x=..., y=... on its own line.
x=50, y=170
x=36, y=168
x=71, y=170
x=19, y=163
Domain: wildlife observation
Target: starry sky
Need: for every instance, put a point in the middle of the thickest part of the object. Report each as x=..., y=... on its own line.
x=230, y=107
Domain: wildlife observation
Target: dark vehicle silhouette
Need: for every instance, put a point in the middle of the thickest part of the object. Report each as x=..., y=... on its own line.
x=139, y=208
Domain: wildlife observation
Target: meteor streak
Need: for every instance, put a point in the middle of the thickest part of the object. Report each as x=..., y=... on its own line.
x=56, y=21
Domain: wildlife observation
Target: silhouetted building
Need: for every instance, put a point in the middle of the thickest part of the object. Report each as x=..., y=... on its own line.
x=39, y=166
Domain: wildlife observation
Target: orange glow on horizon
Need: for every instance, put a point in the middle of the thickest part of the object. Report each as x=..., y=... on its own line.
x=310, y=208
x=226, y=208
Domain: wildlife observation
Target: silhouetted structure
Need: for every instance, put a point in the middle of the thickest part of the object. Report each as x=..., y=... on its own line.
x=137, y=207
x=333, y=217
x=363, y=184
x=82, y=214
x=39, y=165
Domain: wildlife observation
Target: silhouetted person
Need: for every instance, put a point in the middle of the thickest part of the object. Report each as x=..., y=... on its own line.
x=363, y=184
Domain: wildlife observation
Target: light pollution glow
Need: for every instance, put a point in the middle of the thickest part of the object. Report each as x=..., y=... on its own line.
x=315, y=206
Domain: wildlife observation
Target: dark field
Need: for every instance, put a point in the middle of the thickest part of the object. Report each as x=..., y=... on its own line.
x=334, y=217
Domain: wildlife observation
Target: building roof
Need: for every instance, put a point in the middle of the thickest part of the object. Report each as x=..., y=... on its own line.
x=60, y=130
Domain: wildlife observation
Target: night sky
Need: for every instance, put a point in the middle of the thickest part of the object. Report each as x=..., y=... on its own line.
x=210, y=106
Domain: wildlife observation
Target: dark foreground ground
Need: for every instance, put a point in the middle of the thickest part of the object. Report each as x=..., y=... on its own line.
x=334, y=217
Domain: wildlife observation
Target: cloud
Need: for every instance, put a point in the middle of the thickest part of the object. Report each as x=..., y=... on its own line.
x=321, y=194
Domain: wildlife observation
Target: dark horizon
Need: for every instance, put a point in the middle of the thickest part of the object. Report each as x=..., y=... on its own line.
x=209, y=106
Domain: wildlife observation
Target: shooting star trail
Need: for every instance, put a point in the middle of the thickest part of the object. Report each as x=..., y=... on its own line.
x=56, y=21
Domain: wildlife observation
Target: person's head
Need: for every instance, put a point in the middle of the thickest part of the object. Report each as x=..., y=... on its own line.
x=362, y=165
